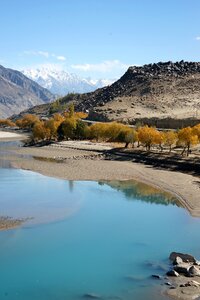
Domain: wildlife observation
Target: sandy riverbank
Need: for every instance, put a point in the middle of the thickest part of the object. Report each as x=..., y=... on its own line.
x=75, y=161
x=5, y=135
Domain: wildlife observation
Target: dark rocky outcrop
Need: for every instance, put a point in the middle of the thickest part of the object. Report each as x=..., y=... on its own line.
x=172, y=273
x=184, y=257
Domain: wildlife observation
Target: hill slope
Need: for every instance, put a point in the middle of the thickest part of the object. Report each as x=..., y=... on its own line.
x=17, y=92
x=162, y=90
x=155, y=90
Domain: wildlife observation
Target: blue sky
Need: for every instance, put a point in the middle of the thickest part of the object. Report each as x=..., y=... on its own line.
x=98, y=38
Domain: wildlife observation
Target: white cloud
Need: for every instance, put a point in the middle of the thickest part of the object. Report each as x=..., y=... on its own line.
x=105, y=66
x=197, y=38
x=46, y=66
x=44, y=54
x=37, y=53
x=59, y=57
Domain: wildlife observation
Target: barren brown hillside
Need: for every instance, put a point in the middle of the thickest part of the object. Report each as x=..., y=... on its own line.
x=160, y=94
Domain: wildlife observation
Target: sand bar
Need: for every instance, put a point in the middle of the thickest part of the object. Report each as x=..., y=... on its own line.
x=5, y=135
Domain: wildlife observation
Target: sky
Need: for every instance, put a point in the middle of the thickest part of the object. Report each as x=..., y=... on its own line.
x=97, y=38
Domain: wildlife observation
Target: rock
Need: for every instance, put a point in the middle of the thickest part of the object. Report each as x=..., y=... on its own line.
x=195, y=283
x=172, y=273
x=91, y=296
x=178, y=260
x=197, y=263
x=168, y=283
x=191, y=283
x=156, y=276
x=182, y=268
x=194, y=271
x=184, y=257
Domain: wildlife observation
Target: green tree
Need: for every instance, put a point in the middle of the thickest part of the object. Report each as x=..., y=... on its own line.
x=71, y=110
x=81, y=130
x=66, y=130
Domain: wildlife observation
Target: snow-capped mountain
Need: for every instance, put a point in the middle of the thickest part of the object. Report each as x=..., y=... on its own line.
x=61, y=82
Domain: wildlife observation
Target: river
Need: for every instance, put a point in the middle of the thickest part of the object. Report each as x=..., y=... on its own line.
x=82, y=237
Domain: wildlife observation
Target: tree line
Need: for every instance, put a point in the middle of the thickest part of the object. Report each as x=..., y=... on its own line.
x=70, y=125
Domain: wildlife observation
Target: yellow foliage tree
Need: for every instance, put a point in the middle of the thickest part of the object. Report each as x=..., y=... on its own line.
x=196, y=130
x=27, y=122
x=187, y=138
x=170, y=139
x=40, y=131
x=148, y=136
x=98, y=131
x=80, y=115
x=112, y=130
x=127, y=135
x=7, y=123
x=159, y=138
x=52, y=125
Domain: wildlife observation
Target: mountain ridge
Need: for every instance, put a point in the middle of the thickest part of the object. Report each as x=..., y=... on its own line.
x=159, y=91
x=60, y=82
x=18, y=92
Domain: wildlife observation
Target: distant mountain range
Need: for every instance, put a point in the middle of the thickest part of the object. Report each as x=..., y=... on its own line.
x=18, y=92
x=60, y=82
x=163, y=94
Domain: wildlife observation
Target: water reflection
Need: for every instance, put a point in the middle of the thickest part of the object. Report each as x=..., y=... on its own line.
x=71, y=185
x=6, y=144
x=6, y=150
x=134, y=190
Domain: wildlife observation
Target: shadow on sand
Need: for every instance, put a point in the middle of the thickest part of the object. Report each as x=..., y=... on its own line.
x=161, y=161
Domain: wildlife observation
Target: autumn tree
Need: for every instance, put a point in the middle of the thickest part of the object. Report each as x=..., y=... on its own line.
x=148, y=136
x=52, y=125
x=80, y=115
x=98, y=131
x=196, y=130
x=187, y=138
x=6, y=123
x=40, y=131
x=127, y=135
x=170, y=139
x=159, y=139
x=112, y=131
x=27, y=122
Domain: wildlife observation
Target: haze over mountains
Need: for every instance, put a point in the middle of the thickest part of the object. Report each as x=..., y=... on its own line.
x=60, y=82
x=18, y=92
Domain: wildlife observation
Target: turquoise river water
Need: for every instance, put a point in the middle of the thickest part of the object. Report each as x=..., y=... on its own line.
x=104, y=238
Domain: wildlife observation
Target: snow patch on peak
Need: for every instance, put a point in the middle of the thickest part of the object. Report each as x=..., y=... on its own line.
x=61, y=82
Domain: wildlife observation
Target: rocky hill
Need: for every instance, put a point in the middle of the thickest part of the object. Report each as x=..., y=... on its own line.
x=149, y=94
x=17, y=92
